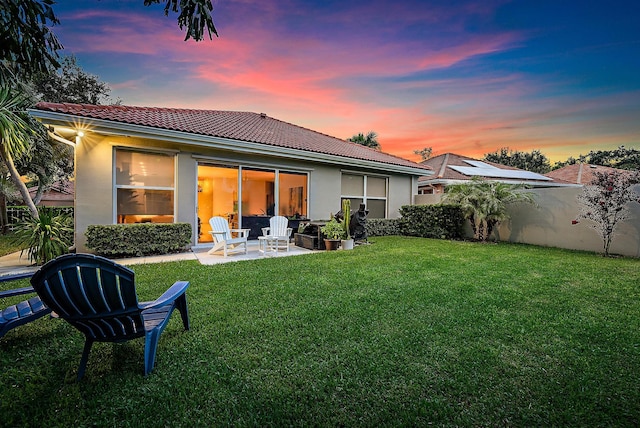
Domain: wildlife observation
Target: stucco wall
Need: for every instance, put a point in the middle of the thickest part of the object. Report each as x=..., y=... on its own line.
x=94, y=186
x=550, y=223
x=401, y=190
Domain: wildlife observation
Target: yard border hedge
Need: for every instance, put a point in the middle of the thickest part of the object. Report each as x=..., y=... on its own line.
x=440, y=221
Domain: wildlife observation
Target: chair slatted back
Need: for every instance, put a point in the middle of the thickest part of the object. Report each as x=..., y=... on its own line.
x=220, y=225
x=96, y=295
x=278, y=225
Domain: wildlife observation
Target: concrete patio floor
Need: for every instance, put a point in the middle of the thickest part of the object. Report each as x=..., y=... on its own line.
x=12, y=264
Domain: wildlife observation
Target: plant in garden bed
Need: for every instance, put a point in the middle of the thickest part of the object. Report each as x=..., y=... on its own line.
x=46, y=237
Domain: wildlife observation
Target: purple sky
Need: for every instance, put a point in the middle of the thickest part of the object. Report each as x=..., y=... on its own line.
x=466, y=77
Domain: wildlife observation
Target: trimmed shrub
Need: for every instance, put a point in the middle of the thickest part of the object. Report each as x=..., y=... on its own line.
x=135, y=240
x=441, y=221
x=382, y=226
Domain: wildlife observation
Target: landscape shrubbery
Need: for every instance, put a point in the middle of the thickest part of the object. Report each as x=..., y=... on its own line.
x=134, y=240
x=441, y=221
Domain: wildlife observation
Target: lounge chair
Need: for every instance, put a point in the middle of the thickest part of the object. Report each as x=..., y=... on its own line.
x=22, y=312
x=98, y=297
x=223, y=238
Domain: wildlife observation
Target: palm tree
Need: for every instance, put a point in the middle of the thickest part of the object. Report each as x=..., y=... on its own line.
x=15, y=134
x=370, y=140
x=484, y=203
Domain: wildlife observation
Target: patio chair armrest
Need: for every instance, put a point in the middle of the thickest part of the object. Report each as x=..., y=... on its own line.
x=16, y=292
x=176, y=290
x=241, y=232
x=265, y=231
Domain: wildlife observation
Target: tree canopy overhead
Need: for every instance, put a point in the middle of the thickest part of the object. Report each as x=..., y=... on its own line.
x=195, y=16
x=27, y=45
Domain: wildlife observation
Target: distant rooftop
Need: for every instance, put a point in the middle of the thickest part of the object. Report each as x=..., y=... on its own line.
x=450, y=168
x=579, y=173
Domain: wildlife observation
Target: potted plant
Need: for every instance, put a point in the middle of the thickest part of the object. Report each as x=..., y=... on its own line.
x=334, y=232
x=347, y=242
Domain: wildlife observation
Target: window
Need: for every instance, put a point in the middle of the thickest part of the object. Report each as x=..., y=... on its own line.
x=144, y=187
x=366, y=189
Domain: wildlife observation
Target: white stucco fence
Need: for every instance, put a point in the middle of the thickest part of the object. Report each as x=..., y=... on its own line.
x=550, y=224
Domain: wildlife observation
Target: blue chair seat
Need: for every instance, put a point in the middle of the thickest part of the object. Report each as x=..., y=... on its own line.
x=22, y=312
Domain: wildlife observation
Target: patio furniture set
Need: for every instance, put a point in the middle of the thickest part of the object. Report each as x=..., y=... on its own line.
x=274, y=238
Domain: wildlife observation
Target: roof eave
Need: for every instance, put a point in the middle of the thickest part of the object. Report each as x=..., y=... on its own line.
x=108, y=127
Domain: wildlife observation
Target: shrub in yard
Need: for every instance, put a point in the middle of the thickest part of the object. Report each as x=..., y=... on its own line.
x=605, y=201
x=442, y=221
x=46, y=237
x=382, y=227
x=484, y=202
x=134, y=240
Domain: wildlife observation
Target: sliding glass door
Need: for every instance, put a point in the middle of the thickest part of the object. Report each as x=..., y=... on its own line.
x=247, y=197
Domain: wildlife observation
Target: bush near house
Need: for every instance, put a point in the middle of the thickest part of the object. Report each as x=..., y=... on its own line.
x=383, y=226
x=441, y=221
x=134, y=240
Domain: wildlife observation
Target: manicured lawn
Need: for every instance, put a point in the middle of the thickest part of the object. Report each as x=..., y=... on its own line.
x=403, y=332
x=7, y=246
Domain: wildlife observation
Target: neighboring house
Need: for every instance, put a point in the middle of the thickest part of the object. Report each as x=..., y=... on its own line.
x=143, y=164
x=60, y=194
x=450, y=168
x=580, y=173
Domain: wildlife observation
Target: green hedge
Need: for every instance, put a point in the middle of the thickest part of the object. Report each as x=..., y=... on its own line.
x=382, y=226
x=134, y=240
x=432, y=221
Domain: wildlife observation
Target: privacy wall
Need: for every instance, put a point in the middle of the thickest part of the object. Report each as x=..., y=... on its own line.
x=550, y=224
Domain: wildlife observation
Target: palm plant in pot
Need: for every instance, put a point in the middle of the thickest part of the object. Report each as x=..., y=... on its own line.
x=334, y=232
x=347, y=242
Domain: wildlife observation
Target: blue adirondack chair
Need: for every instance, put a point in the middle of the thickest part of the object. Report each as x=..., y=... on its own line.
x=23, y=312
x=98, y=297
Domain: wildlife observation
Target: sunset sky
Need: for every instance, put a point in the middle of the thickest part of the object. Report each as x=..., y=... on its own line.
x=559, y=76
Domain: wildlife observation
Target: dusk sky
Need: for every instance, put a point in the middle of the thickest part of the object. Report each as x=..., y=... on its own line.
x=466, y=77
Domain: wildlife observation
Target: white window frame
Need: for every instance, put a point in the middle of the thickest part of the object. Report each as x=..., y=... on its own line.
x=365, y=198
x=117, y=186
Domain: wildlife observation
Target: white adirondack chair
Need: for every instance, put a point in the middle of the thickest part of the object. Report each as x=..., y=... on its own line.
x=278, y=233
x=223, y=236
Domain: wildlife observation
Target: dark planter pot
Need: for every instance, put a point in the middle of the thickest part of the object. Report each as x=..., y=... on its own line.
x=331, y=244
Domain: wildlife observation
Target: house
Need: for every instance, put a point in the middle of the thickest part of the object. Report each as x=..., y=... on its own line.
x=60, y=194
x=580, y=173
x=451, y=168
x=144, y=164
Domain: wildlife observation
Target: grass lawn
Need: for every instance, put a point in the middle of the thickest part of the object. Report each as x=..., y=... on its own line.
x=405, y=331
x=7, y=246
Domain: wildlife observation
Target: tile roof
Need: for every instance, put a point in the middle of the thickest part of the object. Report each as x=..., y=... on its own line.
x=450, y=166
x=234, y=125
x=580, y=173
